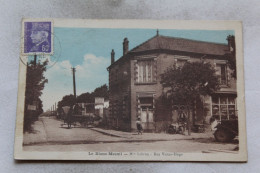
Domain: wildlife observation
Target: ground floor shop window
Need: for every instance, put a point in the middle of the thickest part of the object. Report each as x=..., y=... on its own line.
x=224, y=107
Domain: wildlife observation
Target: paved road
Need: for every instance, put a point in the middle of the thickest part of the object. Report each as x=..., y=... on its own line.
x=49, y=130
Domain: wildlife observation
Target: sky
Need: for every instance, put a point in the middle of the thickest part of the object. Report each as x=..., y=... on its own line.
x=89, y=51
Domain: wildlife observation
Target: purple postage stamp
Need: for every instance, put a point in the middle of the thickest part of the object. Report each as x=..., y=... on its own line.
x=38, y=37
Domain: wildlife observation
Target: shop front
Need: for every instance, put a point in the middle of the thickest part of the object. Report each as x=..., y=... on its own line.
x=224, y=106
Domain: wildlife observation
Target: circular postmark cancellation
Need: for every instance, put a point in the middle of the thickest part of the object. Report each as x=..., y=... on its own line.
x=39, y=44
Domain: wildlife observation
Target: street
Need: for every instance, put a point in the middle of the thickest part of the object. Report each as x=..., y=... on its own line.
x=50, y=136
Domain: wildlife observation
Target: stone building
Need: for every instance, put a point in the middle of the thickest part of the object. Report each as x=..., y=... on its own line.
x=134, y=80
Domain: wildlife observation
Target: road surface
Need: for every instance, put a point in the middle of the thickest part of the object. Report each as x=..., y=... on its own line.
x=50, y=136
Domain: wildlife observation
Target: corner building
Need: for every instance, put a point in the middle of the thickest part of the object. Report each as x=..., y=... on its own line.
x=134, y=81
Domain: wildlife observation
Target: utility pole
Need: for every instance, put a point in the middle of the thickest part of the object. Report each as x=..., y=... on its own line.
x=74, y=82
x=55, y=110
x=35, y=60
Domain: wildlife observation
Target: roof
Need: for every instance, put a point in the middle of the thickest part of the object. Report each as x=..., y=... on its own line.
x=181, y=44
x=160, y=42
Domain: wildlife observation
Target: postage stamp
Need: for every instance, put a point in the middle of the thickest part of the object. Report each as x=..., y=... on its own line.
x=131, y=90
x=38, y=37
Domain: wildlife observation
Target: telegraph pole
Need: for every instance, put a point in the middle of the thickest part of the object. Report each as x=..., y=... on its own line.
x=74, y=82
x=35, y=60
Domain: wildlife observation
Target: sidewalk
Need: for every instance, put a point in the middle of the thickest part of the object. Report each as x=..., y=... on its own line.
x=38, y=135
x=133, y=136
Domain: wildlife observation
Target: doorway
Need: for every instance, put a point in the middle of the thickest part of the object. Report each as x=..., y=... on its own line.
x=147, y=113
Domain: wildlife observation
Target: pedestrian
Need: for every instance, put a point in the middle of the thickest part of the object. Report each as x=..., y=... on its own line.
x=182, y=120
x=139, y=126
x=213, y=123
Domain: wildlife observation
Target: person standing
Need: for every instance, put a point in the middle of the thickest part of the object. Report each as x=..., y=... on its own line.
x=182, y=121
x=139, y=125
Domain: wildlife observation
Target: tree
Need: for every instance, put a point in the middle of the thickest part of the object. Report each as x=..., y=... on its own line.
x=35, y=82
x=87, y=97
x=184, y=85
x=101, y=91
x=67, y=100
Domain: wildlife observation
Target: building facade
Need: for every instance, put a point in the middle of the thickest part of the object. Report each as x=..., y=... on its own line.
x=134, y=81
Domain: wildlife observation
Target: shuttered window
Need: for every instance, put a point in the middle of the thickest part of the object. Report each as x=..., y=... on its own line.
x=221, y=71
x=145, y=71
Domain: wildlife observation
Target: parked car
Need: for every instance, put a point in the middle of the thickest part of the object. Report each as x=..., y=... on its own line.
x=226, y=130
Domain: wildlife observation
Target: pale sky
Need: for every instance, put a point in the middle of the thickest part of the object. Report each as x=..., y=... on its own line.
x=89, y=51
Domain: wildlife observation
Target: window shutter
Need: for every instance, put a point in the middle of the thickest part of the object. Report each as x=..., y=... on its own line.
x=136, y=69
x=154, y=68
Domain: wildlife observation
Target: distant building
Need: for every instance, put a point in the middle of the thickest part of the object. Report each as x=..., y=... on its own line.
x=134, y=80
x=100, y=106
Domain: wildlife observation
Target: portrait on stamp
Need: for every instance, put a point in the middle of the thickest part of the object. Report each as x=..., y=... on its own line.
x=37, y=37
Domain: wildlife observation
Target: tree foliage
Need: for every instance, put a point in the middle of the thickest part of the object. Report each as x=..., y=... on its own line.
x=101, y=91
x=35, y=82
x=67, y=100
x=87, y=97
x=192, y=80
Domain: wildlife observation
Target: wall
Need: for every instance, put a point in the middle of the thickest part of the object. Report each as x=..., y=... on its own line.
x=119, y=86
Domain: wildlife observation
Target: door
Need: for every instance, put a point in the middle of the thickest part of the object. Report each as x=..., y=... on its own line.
x=147, y=118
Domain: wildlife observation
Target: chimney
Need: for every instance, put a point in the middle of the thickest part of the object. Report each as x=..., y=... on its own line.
x=231, y=44
x=125, y=46
x=112, y=56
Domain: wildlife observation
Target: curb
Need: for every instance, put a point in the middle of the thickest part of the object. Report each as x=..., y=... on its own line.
x=106, y=133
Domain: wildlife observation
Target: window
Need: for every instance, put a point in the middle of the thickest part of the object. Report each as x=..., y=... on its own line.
x=221, y=71
x=145, y=73
x=181, y=60
x=223, y=107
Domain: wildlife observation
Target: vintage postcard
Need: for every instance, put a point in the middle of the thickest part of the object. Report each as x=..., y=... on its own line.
x=131, y=90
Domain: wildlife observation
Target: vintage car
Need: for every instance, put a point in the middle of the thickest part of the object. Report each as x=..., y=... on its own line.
x=226, y=130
